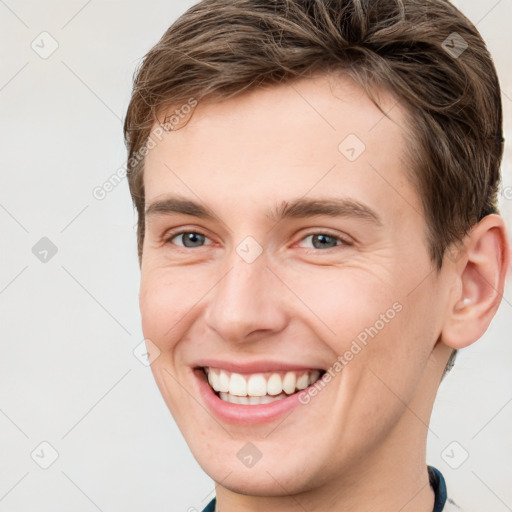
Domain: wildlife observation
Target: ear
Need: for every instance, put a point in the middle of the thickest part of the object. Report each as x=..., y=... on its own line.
x=481, y=272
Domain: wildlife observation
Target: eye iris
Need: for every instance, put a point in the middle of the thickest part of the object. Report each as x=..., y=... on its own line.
x=322, y=238
x=195, y=238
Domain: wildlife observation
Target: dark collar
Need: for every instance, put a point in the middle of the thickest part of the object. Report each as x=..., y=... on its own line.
x=439, y=487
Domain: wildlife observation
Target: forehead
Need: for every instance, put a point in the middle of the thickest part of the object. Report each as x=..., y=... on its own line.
x=320, y=134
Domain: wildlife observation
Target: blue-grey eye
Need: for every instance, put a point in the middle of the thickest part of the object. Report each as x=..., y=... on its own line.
x=323, y=241
x=190, y=239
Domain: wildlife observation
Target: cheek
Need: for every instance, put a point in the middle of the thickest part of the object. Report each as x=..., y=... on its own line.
x=346, y=304
x=394, y=360
x=165, y=301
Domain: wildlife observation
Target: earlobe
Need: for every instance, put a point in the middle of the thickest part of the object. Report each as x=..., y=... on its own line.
x=482, y=273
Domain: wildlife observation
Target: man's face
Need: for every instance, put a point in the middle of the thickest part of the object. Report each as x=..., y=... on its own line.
x=254, y=294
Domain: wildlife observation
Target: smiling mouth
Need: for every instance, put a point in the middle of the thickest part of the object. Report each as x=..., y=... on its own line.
x=258, y=388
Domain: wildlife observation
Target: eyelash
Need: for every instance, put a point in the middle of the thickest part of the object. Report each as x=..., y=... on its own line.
x=343, y=241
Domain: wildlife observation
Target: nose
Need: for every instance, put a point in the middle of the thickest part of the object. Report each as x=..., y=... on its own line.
x=248, y=303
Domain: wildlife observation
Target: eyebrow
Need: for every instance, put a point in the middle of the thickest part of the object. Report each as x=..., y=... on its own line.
x=294, y=209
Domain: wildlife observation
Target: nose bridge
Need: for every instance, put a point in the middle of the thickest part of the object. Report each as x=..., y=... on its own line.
x=245, y=300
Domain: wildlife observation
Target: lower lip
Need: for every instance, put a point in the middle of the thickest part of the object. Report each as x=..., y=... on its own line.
x=244, y=414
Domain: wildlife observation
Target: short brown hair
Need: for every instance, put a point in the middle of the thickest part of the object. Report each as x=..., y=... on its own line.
x=425, y=52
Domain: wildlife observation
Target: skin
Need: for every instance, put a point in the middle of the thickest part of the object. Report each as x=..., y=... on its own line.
x=360, y=443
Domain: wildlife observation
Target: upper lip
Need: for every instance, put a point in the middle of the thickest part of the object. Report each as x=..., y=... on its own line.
x=254, y=366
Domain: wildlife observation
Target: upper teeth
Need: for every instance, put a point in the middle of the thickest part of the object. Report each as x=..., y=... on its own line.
x=260, y=384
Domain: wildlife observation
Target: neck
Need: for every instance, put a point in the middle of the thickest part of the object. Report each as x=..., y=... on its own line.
x=401, y=483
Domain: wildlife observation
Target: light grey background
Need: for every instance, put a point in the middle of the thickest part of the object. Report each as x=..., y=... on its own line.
x=69, y=326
